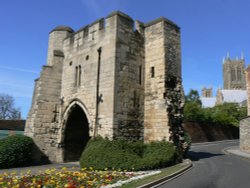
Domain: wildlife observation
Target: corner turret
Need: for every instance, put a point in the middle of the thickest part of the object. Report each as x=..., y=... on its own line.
x=56, y=38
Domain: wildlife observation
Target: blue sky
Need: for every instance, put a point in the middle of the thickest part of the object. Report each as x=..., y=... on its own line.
x=209, y=29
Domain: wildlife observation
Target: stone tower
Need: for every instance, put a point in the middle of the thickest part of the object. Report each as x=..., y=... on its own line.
x=207, y=92
x=234, y=73
x=110, y=79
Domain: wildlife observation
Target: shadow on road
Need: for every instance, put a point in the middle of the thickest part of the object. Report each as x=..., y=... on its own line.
x=196, y=156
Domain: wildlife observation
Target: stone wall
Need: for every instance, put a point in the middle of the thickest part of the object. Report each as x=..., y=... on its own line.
x=42, y=122
x=208, y=132
x=163, y=87
x=245, y=135
x=129, y=82
x=245, y=123
x=81, y=51
x=248, y=89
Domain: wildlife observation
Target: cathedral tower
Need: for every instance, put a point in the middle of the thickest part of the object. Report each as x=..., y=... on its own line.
x=234, y=73
x=207, y=92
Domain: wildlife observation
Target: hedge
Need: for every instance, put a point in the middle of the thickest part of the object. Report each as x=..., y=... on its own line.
x=120, y=154
x=15, y=151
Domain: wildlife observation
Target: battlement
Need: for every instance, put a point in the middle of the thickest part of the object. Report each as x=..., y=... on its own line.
x=119, y=13
x=98, y=30
x=98, y=24
x=162, y=19
x=115, y=21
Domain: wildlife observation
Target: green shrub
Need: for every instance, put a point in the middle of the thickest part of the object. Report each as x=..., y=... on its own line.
x=187, y=142
x=159, y=155
x=15, y=151
x=120, y=154
x=193, y=112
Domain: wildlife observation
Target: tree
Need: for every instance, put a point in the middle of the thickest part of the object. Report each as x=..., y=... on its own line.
x=228, y=113
x=224, y=114
x=193, y=111
x=192, y=107
x=7, y=108
x=193, y=96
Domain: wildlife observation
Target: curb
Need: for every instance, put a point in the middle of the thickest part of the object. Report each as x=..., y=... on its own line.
x=170, y=177
x=227, y=152
x=214, y=142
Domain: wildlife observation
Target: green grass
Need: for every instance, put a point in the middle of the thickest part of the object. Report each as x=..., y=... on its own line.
x=164, y=172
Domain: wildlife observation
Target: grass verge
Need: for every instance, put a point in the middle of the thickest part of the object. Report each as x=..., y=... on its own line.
x=164, y=173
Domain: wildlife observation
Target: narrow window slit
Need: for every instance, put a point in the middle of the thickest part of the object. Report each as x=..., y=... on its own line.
x=152, y=72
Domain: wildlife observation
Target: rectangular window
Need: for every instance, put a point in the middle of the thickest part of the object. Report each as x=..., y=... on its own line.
x=152, y=72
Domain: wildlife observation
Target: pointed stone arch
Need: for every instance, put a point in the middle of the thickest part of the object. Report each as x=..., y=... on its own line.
x=75, y=130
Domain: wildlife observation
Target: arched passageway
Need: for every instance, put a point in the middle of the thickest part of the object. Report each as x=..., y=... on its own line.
x=76, y=134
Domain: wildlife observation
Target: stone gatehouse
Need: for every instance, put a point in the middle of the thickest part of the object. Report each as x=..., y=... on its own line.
x=116, y=77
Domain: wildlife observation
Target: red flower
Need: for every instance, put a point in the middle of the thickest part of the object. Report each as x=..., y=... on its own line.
x=110, y=178
x=71, y=186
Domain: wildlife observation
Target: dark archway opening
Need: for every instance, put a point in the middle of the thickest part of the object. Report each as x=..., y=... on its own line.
x=76, y=134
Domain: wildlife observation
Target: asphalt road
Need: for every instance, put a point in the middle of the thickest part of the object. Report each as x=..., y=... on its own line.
x=212, y=168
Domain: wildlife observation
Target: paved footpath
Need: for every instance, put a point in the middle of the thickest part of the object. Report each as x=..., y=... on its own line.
x=235, y=150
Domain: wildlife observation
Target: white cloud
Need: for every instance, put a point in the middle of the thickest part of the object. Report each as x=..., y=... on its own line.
x=15, y=85
x=16, y=90
x=19, y=69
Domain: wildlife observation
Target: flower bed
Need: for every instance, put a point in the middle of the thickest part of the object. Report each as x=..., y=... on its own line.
x=68, y=178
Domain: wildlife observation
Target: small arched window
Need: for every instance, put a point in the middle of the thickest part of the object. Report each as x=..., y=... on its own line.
x=78, y=75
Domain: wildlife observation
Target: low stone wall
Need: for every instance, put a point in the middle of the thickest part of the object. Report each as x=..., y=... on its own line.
x=209, y=132
x=245, y=135
x=17, y=125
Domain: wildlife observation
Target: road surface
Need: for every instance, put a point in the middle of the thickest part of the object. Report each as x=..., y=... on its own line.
x=212, y=168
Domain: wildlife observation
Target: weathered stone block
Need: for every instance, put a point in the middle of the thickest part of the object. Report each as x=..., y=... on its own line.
x=245, y=135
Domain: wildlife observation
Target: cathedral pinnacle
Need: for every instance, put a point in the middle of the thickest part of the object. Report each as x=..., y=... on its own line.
x=242, y=55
